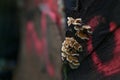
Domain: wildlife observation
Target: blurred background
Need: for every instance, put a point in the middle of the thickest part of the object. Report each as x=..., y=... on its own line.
x=31, y=33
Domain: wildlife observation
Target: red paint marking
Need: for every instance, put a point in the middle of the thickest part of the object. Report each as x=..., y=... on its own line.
x=113, y=66
x=112, y=26
x=32, y=36
x=40, y=45
x=95, y=21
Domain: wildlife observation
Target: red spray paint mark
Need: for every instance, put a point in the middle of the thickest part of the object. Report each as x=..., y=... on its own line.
x=113, y=66
x=40, y=46
x=32, y=36
x=95, y=21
